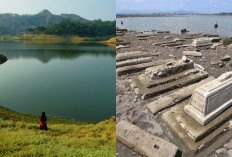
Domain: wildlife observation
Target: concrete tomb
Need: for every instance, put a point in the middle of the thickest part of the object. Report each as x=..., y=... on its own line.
x=211, y=99
x=202, y=42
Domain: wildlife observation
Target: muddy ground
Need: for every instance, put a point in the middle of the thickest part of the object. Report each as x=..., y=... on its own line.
x=132, y=108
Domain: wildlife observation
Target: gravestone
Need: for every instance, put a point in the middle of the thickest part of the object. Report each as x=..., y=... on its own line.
x=202, y=42
x=211, y=99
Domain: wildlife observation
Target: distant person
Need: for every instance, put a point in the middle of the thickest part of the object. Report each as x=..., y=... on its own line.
x=43, y=120
x=216, y=25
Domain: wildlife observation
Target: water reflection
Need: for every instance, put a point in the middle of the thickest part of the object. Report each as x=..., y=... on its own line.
x=46, y=53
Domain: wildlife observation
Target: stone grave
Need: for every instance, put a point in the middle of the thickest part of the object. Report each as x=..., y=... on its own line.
x=165, y=77
x=210, y=99
x=205, y=118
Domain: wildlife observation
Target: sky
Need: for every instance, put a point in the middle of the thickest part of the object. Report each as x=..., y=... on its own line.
x=89, y=9
x=197, y=6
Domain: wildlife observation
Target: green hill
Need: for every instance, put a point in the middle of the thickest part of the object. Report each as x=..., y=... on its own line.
x=20, y=136
x=13, y=24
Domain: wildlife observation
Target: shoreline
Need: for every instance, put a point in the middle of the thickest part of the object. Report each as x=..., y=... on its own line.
x=55, y=39
x=166, y=15
x=7, y=113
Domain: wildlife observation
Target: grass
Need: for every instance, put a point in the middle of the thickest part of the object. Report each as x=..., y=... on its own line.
x=54, y=39
x=20, y=136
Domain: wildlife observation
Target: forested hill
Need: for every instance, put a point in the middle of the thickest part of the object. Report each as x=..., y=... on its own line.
x=12, y=24
x=96, y=28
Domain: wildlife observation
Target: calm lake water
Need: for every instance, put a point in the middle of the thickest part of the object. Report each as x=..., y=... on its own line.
x=66, y=81
x=194, y=23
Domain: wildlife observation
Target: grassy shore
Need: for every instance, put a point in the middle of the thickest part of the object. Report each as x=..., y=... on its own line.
x=20, y=136
x=48, y=39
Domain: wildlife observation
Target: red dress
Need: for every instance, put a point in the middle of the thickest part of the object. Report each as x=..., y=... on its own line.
x=43, y=125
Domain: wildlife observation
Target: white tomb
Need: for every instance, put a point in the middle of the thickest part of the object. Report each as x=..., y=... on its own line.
x=202, y=42
x=211, y=99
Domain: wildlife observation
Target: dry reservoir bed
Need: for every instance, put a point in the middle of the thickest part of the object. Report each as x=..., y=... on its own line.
x=154, y=83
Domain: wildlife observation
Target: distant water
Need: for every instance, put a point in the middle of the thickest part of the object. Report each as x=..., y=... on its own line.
x=65, y=81
x=194, y=23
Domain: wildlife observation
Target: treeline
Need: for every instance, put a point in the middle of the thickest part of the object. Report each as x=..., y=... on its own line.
x=96, y=28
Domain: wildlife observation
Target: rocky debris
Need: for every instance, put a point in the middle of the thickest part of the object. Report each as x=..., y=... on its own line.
x=133, y=62
x=138, y=67
x=143, y=142
x=122, y=43
x=227, y=41
x=177, y=39
x=121, y=46
x=132, y=55
x=143, y=38
x=167, y=37
x=221, y=150
x=3, y=59
x=226, y=58
x=120, y=32
x=167, y=70
x=213, y=47
x=146, y=35
x=185, y=59
x=192, y=53
x=217, y=64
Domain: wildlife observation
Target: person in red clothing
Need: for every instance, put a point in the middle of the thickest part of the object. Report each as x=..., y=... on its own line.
x=43, y=120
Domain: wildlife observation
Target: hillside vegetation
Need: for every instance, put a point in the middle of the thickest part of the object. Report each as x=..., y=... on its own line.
x=96, y=28
x=20, y=136
x=13, y=24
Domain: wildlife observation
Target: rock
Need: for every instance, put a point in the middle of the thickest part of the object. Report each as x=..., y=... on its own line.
x=184, y=59
x=192, y=53
x=230, y=46
x=227, y=41
x=170, y=63
x=229, y=152
x=226, y=58
x=3, y=59
x=184, y=30
x=167, y=37
x=230, y=64
x=217, y=64
x=221, y=150
x=213, y=47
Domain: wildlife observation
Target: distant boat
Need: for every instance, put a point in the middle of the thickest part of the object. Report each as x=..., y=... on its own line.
x=216, y=25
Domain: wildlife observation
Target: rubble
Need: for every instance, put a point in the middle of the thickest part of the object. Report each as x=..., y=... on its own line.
x=143, y=142
x=226, y=58
x=192, y=53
